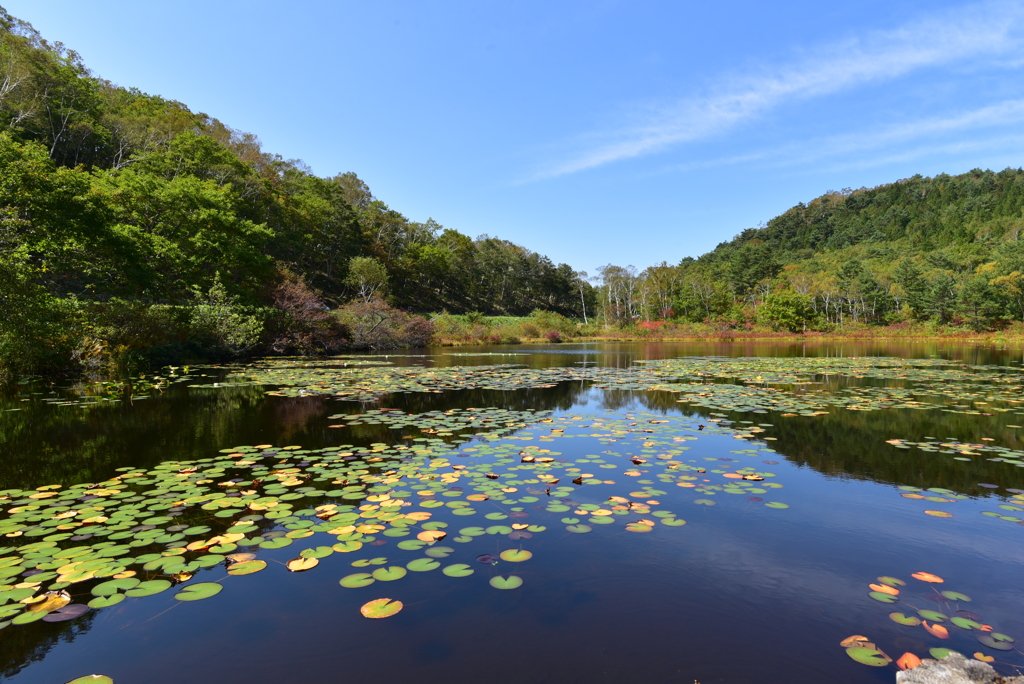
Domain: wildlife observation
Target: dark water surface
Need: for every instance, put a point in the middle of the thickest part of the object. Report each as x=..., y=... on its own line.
x=741, y=593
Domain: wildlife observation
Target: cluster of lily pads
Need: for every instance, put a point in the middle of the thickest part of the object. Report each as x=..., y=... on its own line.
x=143, y=532
x=949, y=621
x=804, y=386
x=940, y=495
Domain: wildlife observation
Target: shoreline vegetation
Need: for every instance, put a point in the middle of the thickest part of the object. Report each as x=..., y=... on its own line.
x=457, y=332
x=137, y=233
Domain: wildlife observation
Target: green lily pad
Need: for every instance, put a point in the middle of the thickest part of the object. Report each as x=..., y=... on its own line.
x=106, y=601
x=892, y=581
x=902, y=619
x=197, y=592
x=247, y=567
x=390, y=573
x=515, y=555
x=458, y=570
x=673, y=522
x=114, y=586
x=439, y=551
x=933, y=615
x=956, y=596
x=27, y=617
x=964, y=623
x=704, y=502
x=776, y=504
x=939, y=653
x=92, y=679
x=359, y=579
x=318, y=552
x=884, y=598
x=579, y=529
x=510, y=582
x=422, y=565
x=148, y=588
x=867, y=656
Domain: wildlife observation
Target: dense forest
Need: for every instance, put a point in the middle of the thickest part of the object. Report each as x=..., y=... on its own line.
x=943, y=250
x=129, y=222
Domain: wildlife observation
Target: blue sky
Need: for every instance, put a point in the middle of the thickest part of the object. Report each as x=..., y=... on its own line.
x=594, y=132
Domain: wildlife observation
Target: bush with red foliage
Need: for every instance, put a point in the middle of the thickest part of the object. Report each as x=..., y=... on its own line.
x=306, y=325
x=376, y=325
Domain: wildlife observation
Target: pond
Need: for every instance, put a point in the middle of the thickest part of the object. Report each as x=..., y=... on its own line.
x=720, y=512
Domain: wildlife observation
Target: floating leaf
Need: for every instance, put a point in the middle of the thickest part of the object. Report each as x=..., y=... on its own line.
x=149, y=588
x=956, y=596
x=855, y=640
x=389, y=574
x=360, y=579
x=884, y=589
x=638, y=527
x=867, y=656
x=439, y=551
x=197, y=592
x=422, y=565
x=996, y=640
x=936, y=630
x=939, y=653
x=927, y=577
x=939, y=514
x=431, y=536
x=579, y=529
x=380, y=608
x=984, y=658
x=106, y=601
x=884, y=598
x=908, y=661
x=246, y=567
x=892, y=581
x=902, y=619
x=510, y=582
x=301, y=564
x=458, y=570
x=92, y=679
x=515, y=555
x=932, y=615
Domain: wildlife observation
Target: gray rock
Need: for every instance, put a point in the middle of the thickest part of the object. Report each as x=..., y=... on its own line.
x=953, y=669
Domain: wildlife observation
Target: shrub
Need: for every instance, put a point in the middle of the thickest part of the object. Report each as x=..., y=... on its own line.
x=553, y=336
x=375, y=325
x=305, y=325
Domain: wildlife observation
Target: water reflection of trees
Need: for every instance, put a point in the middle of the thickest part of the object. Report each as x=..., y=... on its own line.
x=47, y=444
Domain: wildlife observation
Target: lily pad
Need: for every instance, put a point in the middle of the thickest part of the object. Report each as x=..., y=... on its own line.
x=510, y=582
x=197, y=592
x=422, y=565
x=148, y=588
x=390, y=573
x=515, y=555
x=458, y=570
x=902, y=619
x=956, y=596
x=247, y=567
x=359, y=579
x=380, y=608
x=867, y=656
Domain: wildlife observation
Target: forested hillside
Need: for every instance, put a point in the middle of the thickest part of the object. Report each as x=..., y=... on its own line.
x=124, y=214
x=945, y=249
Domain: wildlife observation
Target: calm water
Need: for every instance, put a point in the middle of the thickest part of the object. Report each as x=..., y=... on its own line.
x=741, y=593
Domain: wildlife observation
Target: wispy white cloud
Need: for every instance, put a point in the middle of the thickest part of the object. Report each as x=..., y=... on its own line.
x=1006, y=113
x=987, y=30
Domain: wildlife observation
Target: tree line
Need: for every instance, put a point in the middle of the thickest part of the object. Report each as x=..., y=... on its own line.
x=115, y=202
x=944, y=250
